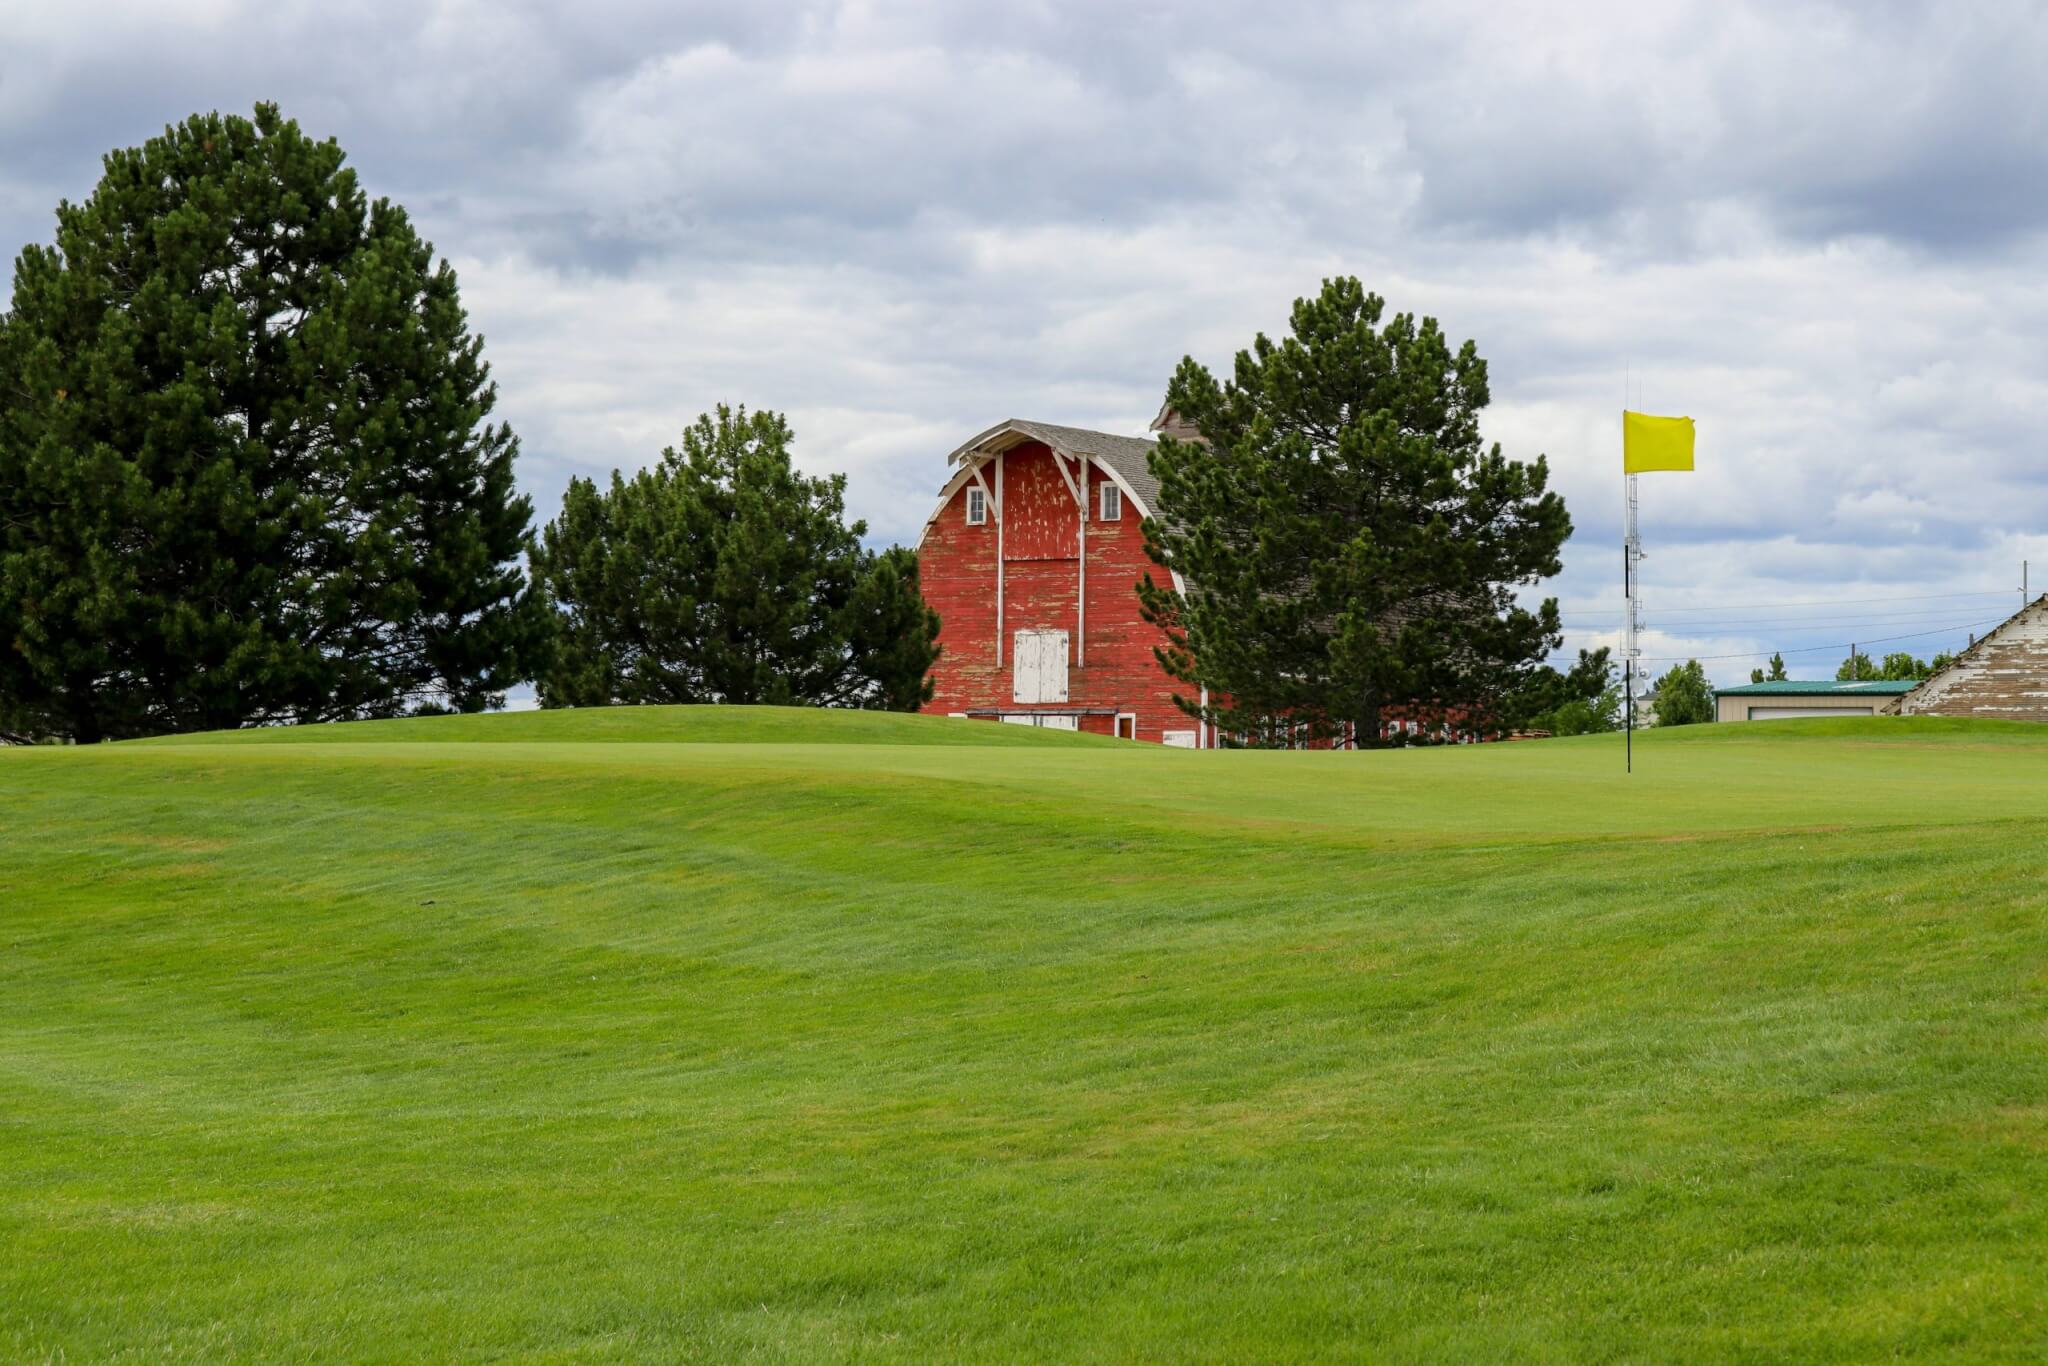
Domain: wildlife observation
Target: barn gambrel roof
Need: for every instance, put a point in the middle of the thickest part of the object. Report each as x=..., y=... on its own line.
x=1124, y=456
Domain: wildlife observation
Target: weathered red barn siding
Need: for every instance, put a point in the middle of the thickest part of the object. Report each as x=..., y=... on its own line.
x=1040, y=519
x=1111, y=667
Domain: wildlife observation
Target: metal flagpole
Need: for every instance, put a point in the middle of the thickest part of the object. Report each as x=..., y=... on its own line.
x=1631, y=558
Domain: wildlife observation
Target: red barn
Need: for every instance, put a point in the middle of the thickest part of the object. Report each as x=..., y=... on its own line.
x=1032, y=561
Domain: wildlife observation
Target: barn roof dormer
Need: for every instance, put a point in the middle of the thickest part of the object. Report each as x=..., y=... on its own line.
x=1171, y=423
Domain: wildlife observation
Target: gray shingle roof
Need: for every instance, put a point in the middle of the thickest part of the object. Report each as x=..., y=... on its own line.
x=1124, y=454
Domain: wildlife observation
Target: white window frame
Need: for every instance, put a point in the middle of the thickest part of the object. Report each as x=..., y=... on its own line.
x=977, y=506
x=1110, y=502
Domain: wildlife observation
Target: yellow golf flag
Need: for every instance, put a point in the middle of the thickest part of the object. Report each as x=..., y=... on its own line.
x=1655, y=443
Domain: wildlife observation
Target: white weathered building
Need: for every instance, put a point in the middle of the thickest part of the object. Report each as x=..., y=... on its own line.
x=2002, y=677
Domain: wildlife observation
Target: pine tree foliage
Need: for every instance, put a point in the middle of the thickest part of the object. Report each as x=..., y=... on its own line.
x=245, y=470
x=1775, y=673
x=1348, y=543
x=724, y=575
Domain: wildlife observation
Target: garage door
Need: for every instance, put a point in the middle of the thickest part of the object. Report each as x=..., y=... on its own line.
x=1794, y=713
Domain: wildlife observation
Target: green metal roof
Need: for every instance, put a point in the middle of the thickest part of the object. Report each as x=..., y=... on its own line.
x=1869, y=687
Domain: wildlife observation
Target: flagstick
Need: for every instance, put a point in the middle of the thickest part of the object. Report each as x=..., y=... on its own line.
x=1667, y=446
x=1631, y=552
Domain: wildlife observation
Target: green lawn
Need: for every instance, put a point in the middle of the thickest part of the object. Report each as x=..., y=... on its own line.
x=659, y=1033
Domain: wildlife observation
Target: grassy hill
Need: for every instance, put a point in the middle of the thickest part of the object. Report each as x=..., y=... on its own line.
x=665, y=1032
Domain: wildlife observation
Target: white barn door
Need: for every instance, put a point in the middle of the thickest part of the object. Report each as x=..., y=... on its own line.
x=1039, y=666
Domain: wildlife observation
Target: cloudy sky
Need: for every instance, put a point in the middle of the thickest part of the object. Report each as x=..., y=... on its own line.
x=1818, y=229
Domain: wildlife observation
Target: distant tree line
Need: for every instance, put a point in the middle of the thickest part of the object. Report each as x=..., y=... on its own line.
x=1898, y=667
x=1683, y=697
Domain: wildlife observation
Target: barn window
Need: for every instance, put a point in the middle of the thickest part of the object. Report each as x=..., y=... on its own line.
x=977, y=507
x=1112, y=503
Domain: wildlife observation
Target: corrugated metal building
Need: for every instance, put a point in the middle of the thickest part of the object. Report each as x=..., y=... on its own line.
x=1789, y=699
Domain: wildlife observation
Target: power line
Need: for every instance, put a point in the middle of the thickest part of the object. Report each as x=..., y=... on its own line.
x=1833, y=602
x=1811, y=623
x=1817, y=649
x=1583, y=632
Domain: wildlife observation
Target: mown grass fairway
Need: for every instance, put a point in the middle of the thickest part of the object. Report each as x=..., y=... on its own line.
x=669, y=1034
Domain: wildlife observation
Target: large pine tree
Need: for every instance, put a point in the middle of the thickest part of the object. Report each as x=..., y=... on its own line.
x=724, y=575
x=245, y=470
x=1348, y=543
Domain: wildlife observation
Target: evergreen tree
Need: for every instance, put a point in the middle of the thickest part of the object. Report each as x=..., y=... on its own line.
x=1347, y=542
x=1777, y=671
x=1683, y=696
x=245, y=473
x=723, y=575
